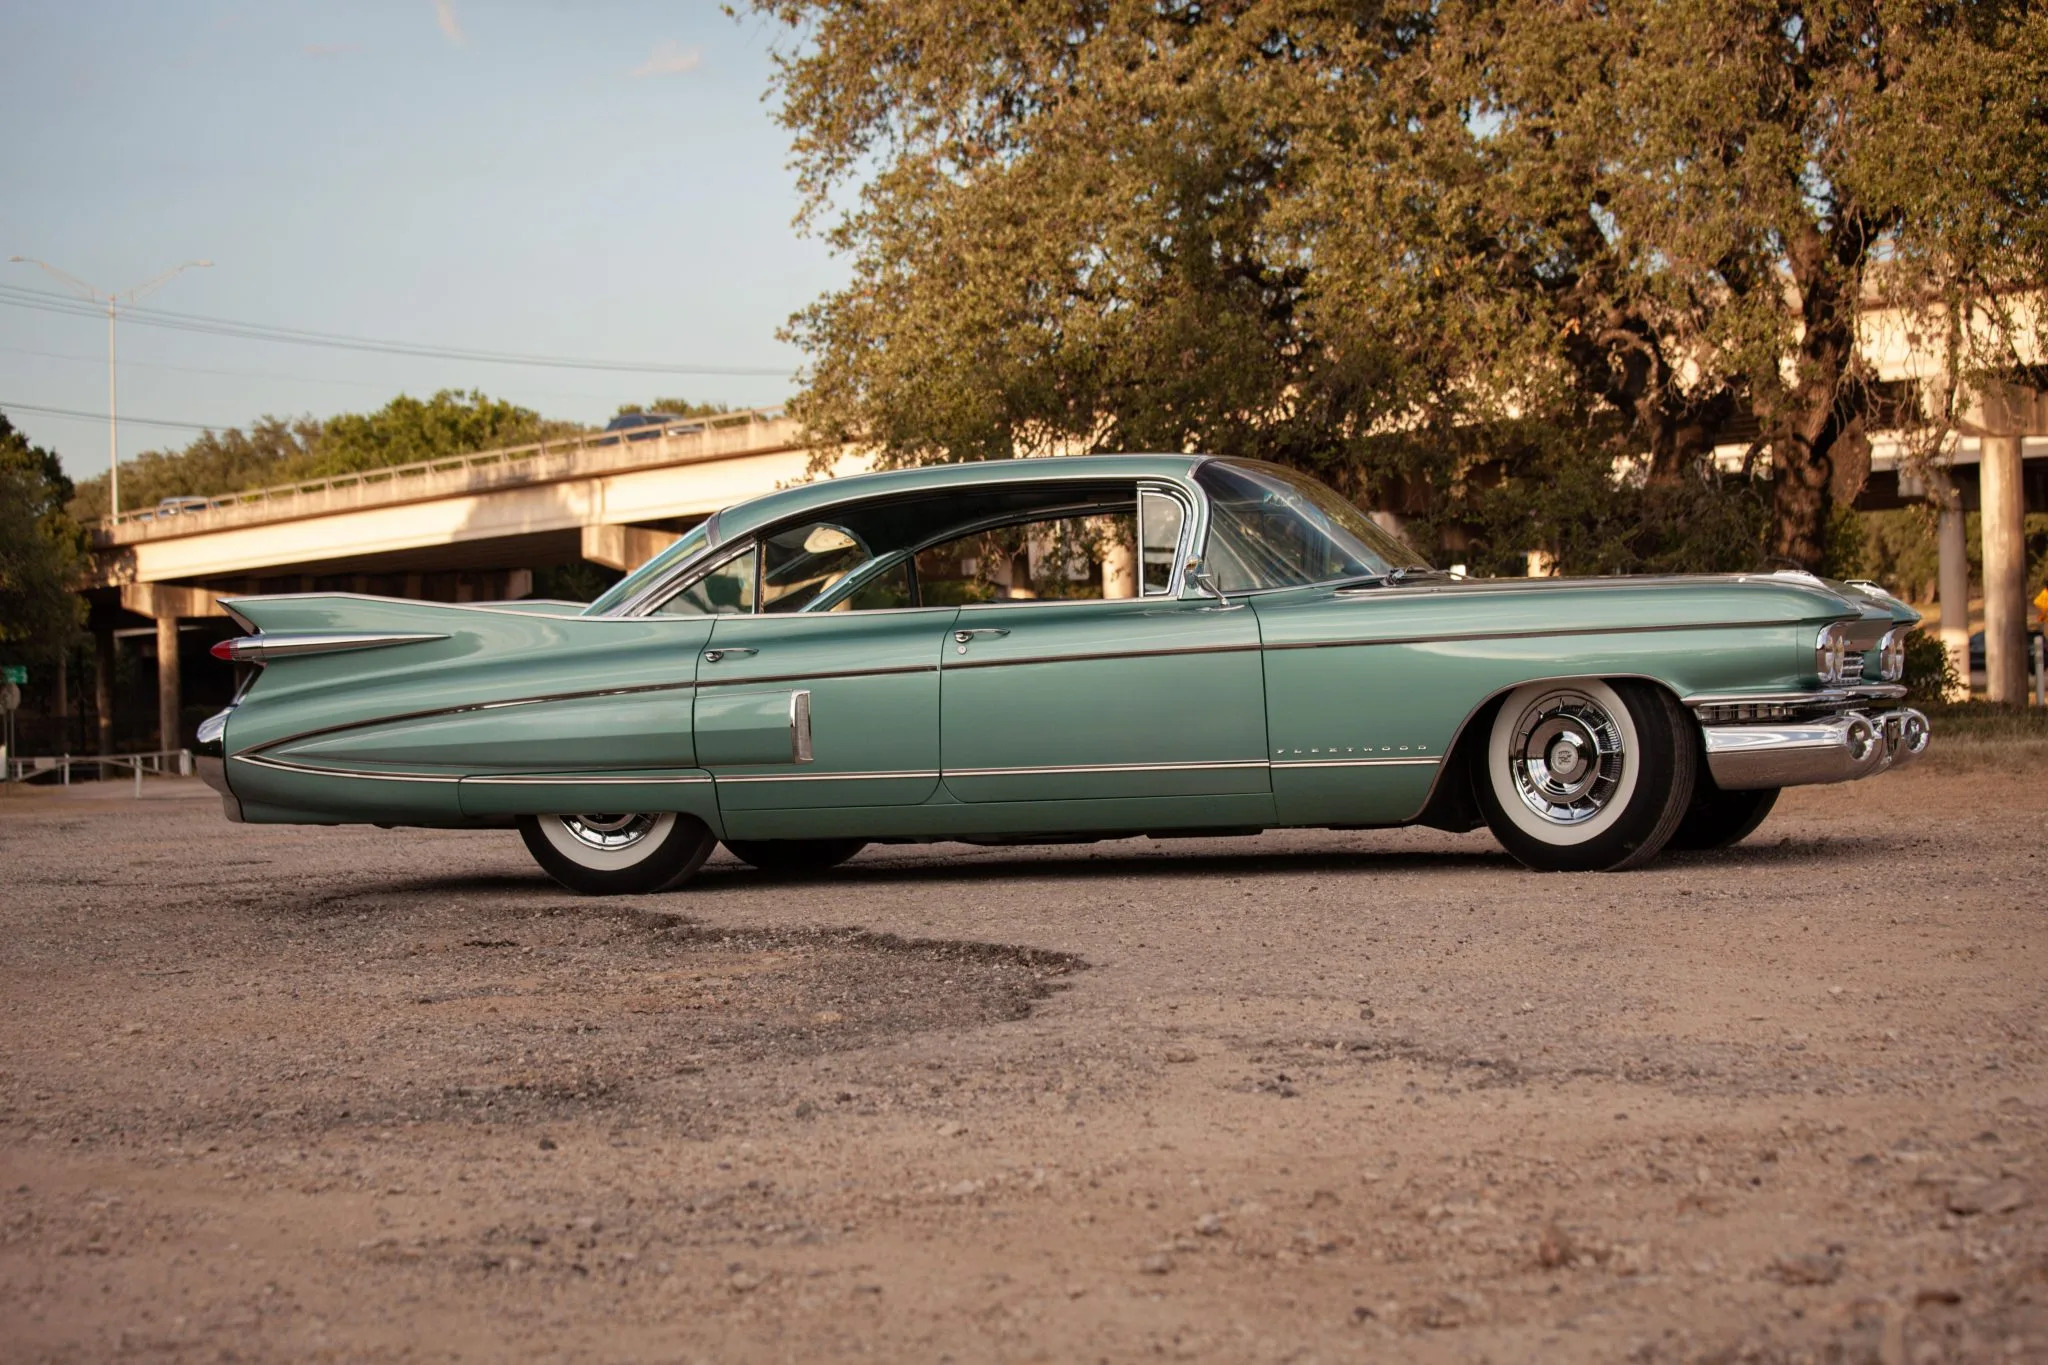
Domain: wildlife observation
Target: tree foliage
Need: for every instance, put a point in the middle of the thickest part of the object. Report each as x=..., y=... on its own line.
x=275, y=450
x=1384, y=241
x=42, y=551
x=680, y=407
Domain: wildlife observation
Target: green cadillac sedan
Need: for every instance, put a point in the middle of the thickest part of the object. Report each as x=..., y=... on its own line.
x=1049, y=650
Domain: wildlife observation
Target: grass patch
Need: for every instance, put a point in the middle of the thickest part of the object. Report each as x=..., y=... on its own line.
x=1978, y=736
x=1982, y=720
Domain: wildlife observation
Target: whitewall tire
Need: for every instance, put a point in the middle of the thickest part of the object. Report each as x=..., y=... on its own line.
x=618, y=854
x=1581, y=775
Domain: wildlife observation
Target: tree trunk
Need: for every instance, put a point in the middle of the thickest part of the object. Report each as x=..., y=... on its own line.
x=1819, y=453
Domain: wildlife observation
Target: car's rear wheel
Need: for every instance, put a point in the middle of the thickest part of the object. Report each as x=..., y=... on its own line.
x=1586, y=776
x=618, y=854
x=795, y=857
x=1718, y=818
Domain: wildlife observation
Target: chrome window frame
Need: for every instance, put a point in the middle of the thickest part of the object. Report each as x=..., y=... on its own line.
x=712, y=560
x=1192, y=558
x=1194, y=530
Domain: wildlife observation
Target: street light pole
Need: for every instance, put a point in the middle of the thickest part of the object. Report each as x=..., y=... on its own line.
x=112, y=300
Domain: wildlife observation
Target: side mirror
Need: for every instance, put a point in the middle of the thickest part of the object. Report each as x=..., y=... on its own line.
x=1206, y=581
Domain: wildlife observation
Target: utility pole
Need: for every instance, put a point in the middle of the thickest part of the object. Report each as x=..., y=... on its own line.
x=112, y=300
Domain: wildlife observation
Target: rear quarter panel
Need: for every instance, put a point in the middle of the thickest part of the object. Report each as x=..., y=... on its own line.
x=389, y=733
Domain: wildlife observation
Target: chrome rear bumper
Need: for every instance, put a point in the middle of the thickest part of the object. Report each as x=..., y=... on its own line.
x=1799, y=753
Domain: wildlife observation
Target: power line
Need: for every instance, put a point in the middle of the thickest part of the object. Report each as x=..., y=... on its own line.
x=127, y=364
x=6, y=406
x=15, y=296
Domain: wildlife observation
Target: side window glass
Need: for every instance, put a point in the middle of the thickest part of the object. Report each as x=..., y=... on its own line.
x=801, y=562
x=1060, y=558
x=886, y=590
x=1159, y=524
x=727, y=590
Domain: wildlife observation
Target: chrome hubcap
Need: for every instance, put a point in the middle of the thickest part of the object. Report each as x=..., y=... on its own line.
x=609, y=832
x=1566, y=758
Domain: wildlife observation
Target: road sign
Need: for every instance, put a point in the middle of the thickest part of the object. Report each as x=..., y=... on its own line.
x=10, y=696
x=14, y=673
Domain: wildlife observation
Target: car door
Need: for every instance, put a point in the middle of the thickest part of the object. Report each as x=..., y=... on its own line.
x=1098, y=695
x=799, y=710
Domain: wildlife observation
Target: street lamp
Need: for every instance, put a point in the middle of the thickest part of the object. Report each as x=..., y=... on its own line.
x=84, y=290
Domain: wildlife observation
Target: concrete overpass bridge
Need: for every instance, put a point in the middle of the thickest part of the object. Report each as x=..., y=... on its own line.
x=466, y=528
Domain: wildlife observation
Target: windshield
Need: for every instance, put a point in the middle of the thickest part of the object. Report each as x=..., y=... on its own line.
x=694, y=540
x=1271, y=527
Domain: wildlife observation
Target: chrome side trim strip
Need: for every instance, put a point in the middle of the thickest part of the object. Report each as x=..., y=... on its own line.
x=342, y=772
x=1106, y=768
x=396, y=717
x=767, y=678
x=258, y=647
x=1559, y=632
x=953, y=665
x=1362, y=763
x=579, y=779
x=826, y=777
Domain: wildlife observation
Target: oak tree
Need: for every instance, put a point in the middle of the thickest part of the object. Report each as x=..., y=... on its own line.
x=1421, y=248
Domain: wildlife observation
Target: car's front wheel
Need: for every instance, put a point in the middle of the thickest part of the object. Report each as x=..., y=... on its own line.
x=618, y=854
x=795, y=857
x=1586, y=776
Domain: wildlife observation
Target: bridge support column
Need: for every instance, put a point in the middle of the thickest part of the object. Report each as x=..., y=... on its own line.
x=169, y=704
x=1953, y=584
x=624, y=547
x=2005, y=572
x=166, y=603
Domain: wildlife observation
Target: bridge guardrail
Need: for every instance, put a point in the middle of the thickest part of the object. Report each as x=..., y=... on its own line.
x=473, y=460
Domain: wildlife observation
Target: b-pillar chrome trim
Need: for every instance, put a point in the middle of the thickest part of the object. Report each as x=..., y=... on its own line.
x=1838, y=749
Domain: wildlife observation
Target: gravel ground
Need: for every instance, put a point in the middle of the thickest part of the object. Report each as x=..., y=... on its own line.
x=309, y=1094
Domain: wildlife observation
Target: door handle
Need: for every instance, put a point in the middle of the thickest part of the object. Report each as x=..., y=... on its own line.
x=712, y=656
x=961, y=637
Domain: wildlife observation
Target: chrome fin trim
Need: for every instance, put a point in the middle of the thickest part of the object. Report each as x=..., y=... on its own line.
x=255, y=649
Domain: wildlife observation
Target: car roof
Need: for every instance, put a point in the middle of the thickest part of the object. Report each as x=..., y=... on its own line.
x=822, y=494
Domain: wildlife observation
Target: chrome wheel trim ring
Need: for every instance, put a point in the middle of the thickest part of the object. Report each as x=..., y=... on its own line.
x=607, y=842
x=1562, y=759
x=1566, y=757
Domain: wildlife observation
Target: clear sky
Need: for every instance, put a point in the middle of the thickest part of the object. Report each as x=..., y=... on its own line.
x=594, y=180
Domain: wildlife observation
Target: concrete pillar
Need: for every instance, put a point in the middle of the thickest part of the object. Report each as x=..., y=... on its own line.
x=169, y=705
x=1119, y=562
x=1953, y=541
x=103, y=687
x=2005, y=571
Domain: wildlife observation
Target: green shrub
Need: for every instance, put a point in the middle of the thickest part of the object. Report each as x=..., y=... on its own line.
x=1930, y=673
